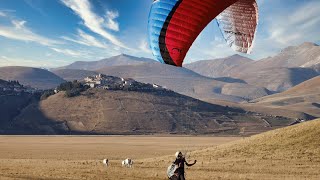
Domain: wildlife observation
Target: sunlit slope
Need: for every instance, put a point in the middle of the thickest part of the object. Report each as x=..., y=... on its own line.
x=289, y=153
x=304, y=97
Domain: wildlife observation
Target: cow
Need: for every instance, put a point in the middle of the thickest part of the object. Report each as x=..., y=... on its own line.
x=127, y=163
x=105, y=162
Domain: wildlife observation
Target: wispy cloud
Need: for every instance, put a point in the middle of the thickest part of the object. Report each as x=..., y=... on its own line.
x=91, y=20
x=69, y=52
x=111, y=23
x=86, y=39
x=2, y=14
x=36, y=5
x=302, y=25
x=18, y=31
x=144, y=47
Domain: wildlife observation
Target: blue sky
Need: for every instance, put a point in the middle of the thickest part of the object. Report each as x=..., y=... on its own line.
x=51, y=33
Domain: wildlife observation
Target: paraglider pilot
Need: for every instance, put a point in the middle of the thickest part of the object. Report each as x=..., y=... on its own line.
x=179, y=163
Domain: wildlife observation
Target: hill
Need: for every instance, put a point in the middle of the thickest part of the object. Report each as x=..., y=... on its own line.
x=119, y=60
x=304, y=97
x=299, y=102
x=187, y=82
x=290, y=67
x=99, y=111
x=28, y=76
x=304, y=55
x=218, y=67
x=13, y=98
x=277, y=79
x=288, y=153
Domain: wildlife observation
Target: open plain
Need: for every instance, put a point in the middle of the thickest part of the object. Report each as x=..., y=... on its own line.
x=80, y=157
x=287, y=153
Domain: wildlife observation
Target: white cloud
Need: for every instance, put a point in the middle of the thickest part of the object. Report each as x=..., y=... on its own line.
x=111, y=23
x=92, y=21
x=301, y=25
x=19, y=24
x=219, y=48
x=18, y=31
x=87, y=40
x=144, y=47
x=69, y=52
x=2, y=14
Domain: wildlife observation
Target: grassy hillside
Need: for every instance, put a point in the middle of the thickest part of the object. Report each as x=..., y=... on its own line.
x=99, y=111
x=288, y=153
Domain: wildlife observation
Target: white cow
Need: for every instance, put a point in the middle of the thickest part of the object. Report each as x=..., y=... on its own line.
x=127, y=163
x=105, y=162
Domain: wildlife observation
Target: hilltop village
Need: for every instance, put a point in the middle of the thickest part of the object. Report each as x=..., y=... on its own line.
x=102, y=81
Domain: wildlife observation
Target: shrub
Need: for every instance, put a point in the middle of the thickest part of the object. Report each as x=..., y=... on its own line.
x=46, y=94
x=73, y=92
x=72, y=88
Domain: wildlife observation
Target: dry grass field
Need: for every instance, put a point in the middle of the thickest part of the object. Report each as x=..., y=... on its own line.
x=288, y=153
x=80, y=157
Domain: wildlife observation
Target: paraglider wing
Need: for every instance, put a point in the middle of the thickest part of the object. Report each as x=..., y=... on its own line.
x=175, y=24
x=238, y=24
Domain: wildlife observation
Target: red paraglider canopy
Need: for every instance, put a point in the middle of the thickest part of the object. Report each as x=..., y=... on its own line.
x=175, y=24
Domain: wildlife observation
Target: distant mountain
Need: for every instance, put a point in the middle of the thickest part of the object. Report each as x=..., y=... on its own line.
x=290, y=67
x=98, y=111
x=187, y=82
x=74, y=74
x=34, y=77
x=236, y=78
x=218, y=67
x=277, y=79
x=304, y=97
x=304, y=55
x=122, y=59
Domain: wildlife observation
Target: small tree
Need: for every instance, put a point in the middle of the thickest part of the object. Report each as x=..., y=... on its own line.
x=46, y=94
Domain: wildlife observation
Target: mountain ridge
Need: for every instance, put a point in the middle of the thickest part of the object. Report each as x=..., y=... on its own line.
x=29, y=76
x=288, y=68
x=122, y=59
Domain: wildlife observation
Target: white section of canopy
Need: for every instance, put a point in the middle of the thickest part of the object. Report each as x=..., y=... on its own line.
x=238, y=24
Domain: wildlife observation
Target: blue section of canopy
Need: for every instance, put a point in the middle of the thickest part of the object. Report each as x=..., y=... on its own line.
x=157, y=17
